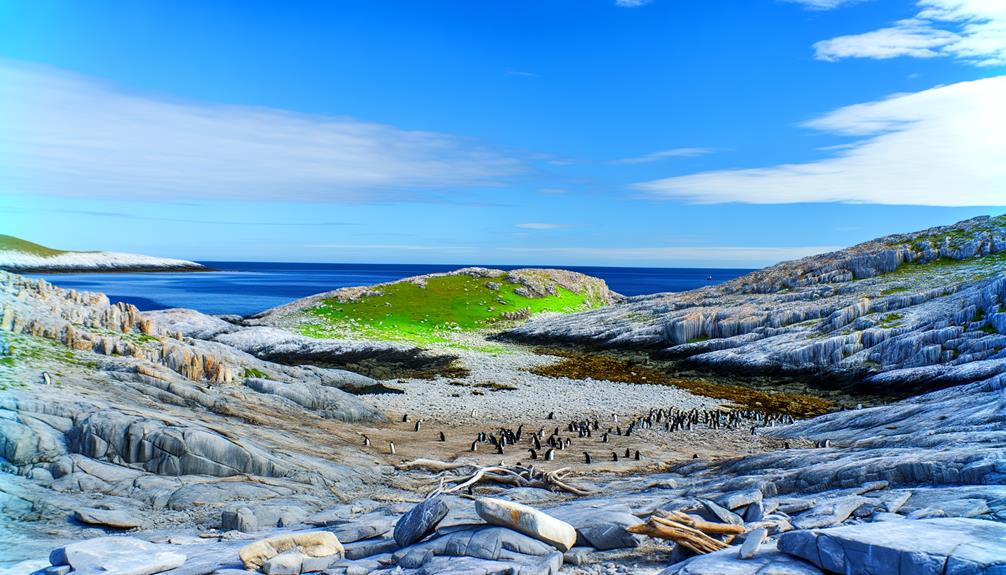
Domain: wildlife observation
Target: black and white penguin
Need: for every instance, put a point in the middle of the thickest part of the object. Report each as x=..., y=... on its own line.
x=551, y=415
x=614, y=456
x=586, y=458
x=534, y=454
x=475, y=445
x=391, y=447
x=443, y=437
x=550, y=454
x=366, y=441
x=637, y=455
x=405, y=418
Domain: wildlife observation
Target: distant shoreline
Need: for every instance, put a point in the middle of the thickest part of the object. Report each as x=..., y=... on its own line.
x=112, y=270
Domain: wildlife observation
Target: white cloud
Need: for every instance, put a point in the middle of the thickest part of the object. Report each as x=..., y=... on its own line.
x=67, y=135
x=969, y=30
x=822, y=4
x=631, y=3
x=540, y=226
x=938, y=147
x=733, y=255
x=664, y=154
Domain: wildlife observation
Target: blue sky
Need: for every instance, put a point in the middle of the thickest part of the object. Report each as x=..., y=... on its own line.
x=661, y=133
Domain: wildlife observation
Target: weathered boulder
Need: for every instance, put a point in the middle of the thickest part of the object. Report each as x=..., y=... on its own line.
x=251, y=519
x=527, y=520
x=118, y=555
x=602, y=527
x=310, y=544
x=950, y=545
x=484, y=549
x=116, y=519
x=420, y=521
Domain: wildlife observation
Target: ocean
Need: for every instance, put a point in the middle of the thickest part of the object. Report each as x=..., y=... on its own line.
x=245, y=288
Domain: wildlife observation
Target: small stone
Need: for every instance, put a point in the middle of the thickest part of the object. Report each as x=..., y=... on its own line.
x=527, y=520
x=420, y=521
x=752, y=542
x=286, y=563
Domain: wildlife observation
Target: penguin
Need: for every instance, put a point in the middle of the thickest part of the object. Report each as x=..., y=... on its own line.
x=604, y=438
x=586, y=458
x=391, y=447
x=566, y=443
x=614, y=456
x=535, y=443
x=627, y=452
x=366, y=441
x=405, y=418
x=695, y=456
x=550, y=454
x=419, y=424
x=475, y=445
x=534, y=454
x=786, y=445
x=637, y=455
x=551, y=415
x=46, y=379
x=499, y=449
x=443, y=437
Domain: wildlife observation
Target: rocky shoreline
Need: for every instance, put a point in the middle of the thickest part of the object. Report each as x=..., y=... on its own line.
x=175, y=442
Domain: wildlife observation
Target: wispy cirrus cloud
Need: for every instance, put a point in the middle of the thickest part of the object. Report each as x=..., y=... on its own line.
x=973, y=31
x=67, y=135
x=939, y=147
x=543, y=226
x=665, y=154
x=631, y=3
x=733, y=255
x=823, y=4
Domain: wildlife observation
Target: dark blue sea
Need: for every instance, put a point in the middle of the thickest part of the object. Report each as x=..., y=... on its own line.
x=248, y=287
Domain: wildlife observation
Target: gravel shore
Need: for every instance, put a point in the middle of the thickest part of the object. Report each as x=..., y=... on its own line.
x=452, y=400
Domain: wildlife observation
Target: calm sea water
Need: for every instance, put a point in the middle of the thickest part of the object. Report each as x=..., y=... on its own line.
x=249, y=287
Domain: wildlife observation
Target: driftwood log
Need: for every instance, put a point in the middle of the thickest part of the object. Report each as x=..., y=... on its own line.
x=690, y=532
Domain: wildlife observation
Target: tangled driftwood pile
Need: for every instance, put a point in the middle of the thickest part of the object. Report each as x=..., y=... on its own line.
x=512, y=475
x=688, y=531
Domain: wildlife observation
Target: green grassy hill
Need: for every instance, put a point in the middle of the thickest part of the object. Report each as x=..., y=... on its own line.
x=431, y=309
x=10, y=243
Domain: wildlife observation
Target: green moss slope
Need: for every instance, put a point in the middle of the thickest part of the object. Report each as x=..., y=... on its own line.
x=444, y=305
x=10, y=243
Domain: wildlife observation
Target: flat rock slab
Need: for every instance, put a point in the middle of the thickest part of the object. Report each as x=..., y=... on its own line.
x=420, y=521
x=108, y=518
x=527, y=520
x=954, y=546
x=120, y=556
x=767, y=561
x=829, y=512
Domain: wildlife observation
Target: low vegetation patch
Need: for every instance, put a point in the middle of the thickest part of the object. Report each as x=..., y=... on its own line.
x=407, y=311
x=603, y=367
x=10, y=243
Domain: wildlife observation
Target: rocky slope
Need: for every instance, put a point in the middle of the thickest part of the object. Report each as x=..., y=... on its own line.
x=168, y=442
x=18, y=255
x=914, y=310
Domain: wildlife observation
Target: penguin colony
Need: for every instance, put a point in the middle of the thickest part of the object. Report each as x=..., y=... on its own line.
x=591, y=435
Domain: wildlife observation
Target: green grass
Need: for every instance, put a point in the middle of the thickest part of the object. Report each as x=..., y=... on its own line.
x=253, y=372
x=889, y=320
x=447, y=304
x=893, y=290
x=10, y=243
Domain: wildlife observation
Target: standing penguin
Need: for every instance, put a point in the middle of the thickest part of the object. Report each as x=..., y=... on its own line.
x=550, y=454
x=586, y=458
x=391, y=447
x=534, y=454
x=443, y=437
